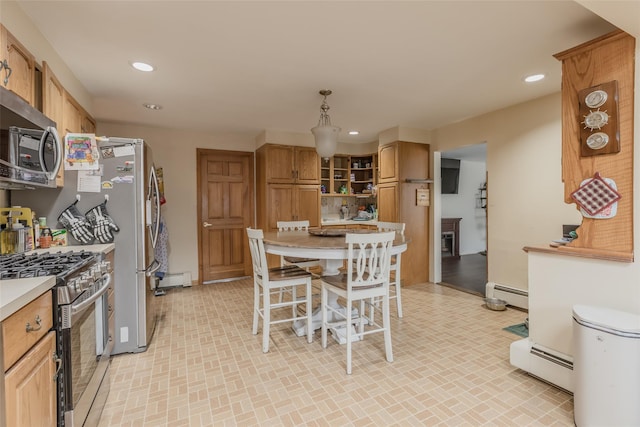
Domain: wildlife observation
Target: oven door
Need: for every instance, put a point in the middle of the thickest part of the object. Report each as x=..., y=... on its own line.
x=85, y=364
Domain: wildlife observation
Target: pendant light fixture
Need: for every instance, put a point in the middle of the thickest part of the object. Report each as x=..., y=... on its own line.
x=326, y=135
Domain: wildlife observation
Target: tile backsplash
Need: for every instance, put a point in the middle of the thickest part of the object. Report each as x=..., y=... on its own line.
x=330, y=206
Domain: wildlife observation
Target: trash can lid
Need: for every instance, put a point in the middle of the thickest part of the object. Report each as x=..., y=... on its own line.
x=607, y=318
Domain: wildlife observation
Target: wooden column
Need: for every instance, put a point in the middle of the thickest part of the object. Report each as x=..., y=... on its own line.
x=606, y=59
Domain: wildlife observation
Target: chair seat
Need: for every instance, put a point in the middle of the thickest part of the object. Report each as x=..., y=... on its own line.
x=297, y=260
x=340, y=281
x=287, y=272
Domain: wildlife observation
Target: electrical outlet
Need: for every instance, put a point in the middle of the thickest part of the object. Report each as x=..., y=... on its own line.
x=124, y=334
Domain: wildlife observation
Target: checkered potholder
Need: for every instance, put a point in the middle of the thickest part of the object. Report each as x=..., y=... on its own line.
x=595, y=195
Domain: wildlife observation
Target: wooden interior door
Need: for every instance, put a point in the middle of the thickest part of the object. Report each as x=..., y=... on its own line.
x=225, y=210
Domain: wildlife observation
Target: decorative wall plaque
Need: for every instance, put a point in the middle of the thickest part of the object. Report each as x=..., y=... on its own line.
x=598, y=109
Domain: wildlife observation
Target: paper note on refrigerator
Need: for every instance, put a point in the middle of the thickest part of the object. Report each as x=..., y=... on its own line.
x=124, y=150
x=89, y=182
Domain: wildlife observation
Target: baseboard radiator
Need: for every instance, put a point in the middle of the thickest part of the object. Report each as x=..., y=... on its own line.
x=513, y=296
x=174, y=280
x=542, y=363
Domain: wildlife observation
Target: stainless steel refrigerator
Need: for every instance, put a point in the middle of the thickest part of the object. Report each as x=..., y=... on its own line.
x=128, y=183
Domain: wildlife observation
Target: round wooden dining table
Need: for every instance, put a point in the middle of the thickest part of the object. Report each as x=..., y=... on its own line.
x=330, y=247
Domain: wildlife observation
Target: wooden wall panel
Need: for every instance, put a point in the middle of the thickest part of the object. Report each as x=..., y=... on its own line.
x=607, y=58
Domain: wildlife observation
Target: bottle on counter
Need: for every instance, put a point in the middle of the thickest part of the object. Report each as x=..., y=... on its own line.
x=36, y=231
x=8, y=238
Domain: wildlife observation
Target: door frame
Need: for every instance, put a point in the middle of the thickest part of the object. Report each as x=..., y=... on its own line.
x=200, y=152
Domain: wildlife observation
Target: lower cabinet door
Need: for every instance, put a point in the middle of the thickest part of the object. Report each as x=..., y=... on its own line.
x=30, y=386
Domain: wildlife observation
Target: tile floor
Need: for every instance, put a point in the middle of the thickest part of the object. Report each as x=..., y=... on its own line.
x=451, y=368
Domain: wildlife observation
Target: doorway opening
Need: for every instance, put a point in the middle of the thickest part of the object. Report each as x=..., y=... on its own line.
x=464, y=219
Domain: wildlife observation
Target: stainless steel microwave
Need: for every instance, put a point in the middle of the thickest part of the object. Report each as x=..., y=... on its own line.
x=30, y=149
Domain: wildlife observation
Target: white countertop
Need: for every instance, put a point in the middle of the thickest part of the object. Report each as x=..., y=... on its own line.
x=16, y=293
x=102, y=248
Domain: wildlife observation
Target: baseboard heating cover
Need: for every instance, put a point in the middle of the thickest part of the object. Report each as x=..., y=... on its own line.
x=513, y=296
x=173, y=280
x=543, y=363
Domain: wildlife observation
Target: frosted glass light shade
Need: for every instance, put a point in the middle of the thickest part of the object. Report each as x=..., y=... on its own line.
x=326, y=140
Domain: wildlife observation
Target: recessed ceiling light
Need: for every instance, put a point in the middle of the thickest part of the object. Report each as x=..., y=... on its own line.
x=153, y=106
x=354, y=132
x=142, y=66
x=534, y=78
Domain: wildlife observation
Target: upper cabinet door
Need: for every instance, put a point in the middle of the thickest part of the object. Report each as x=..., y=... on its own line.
x=388, y=163
x=72, y=122
x=53, y=107
x=307, y=165
x=22, y=65
x=279, y=167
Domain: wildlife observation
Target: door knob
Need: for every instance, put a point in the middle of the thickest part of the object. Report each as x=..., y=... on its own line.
x=206, y=224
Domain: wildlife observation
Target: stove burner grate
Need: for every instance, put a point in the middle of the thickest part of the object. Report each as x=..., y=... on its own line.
x=58, y=264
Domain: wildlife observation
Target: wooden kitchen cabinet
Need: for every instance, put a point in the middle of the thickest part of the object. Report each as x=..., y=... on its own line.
x=75, y=118
x=388, y=163
x=399, y=161
x=400, y=164
x=22, y=64
x=288, y=187
x=286, y=164
x=53, y=107
x=388, y=202
x=29, y=365
x=31, y=386
x=287, y=202
x=72, y=118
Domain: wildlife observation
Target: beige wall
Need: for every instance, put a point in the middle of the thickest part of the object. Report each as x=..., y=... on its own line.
x=525, y=202
x=175, y=151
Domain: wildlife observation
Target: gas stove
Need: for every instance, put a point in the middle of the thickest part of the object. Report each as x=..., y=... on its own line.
x=58, y=264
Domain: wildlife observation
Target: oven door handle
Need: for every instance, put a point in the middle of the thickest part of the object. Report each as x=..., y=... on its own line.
x=84, y=304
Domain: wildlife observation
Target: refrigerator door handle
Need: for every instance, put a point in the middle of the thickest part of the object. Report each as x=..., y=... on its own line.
x=154, y=196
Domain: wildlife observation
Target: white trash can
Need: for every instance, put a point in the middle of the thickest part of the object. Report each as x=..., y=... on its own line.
x=606, y=367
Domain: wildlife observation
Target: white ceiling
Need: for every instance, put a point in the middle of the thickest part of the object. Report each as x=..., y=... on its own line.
x=244, y=67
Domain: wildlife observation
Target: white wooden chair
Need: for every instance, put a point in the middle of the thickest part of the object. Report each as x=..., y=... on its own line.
x=367, y=277
x=398, y=227
x=305, y=263
x=269, y=280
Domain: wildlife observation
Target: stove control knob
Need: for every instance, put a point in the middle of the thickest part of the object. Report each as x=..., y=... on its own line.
x=107, y=266
x=83, y=284
x=73, y=283
x=95, y=272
